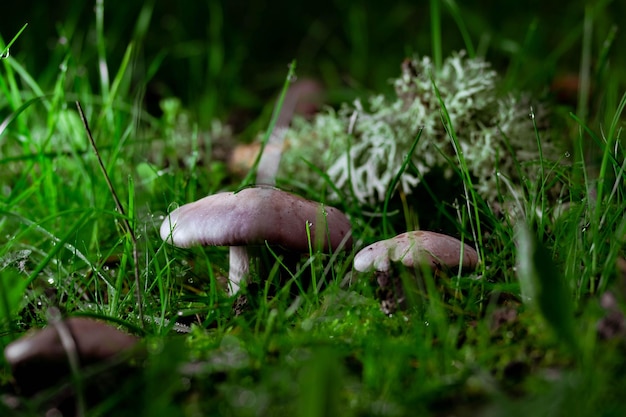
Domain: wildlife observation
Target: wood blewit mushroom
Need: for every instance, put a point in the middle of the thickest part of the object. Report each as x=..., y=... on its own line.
x=413, y=250
x=254, y=217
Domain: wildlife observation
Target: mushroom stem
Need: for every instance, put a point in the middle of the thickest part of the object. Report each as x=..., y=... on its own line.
x=238, y=267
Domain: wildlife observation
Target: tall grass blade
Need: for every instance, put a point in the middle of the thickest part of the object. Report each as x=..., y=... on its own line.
x=5, y=51
x=127, y=224
x=435, y=33
x=251, y=176
x=543, y=287
x=453, y=7
x=396, y=179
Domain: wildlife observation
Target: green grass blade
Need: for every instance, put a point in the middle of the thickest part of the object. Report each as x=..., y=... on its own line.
x=5, y=51
x=59, y=245
x=435, y=33
x=543, y=287
x=251, y=176
x=396, y=179
x=457, y=15
x=11, y=117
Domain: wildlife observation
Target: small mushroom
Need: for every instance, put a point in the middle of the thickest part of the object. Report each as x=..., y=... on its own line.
x=250, y=218
x=414, y=249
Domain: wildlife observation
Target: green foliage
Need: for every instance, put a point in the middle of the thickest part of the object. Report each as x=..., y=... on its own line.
x=162, y=96
x=543, y=287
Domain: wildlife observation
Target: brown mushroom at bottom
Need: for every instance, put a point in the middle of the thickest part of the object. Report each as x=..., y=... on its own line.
x=414, y=250
x=44, y=359
x=250, y=219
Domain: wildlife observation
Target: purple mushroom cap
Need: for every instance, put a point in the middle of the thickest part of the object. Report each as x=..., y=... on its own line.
x=416, y=248
x=254, y=216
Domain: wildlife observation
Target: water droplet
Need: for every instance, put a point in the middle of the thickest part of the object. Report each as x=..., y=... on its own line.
x=172, y=207
x=567, y=154
x=6, y=54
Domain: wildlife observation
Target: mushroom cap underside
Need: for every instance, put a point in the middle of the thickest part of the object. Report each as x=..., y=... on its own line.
x=254, y=216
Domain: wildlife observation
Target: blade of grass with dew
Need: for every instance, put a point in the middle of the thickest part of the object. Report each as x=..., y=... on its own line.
x=5, y=51
x=59, y=245
x=9, y=85
x=40, y=229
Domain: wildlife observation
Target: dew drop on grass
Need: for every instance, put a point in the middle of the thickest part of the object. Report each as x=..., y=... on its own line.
x=172, y=207
x=567, y=154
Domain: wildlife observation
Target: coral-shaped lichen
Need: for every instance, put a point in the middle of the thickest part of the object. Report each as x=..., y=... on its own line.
x=362, y=149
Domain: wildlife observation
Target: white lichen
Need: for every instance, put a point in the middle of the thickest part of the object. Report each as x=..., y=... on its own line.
x=361, y=149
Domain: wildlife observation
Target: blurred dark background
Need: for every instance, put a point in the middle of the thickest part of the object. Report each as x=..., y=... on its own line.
x=217, y=56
